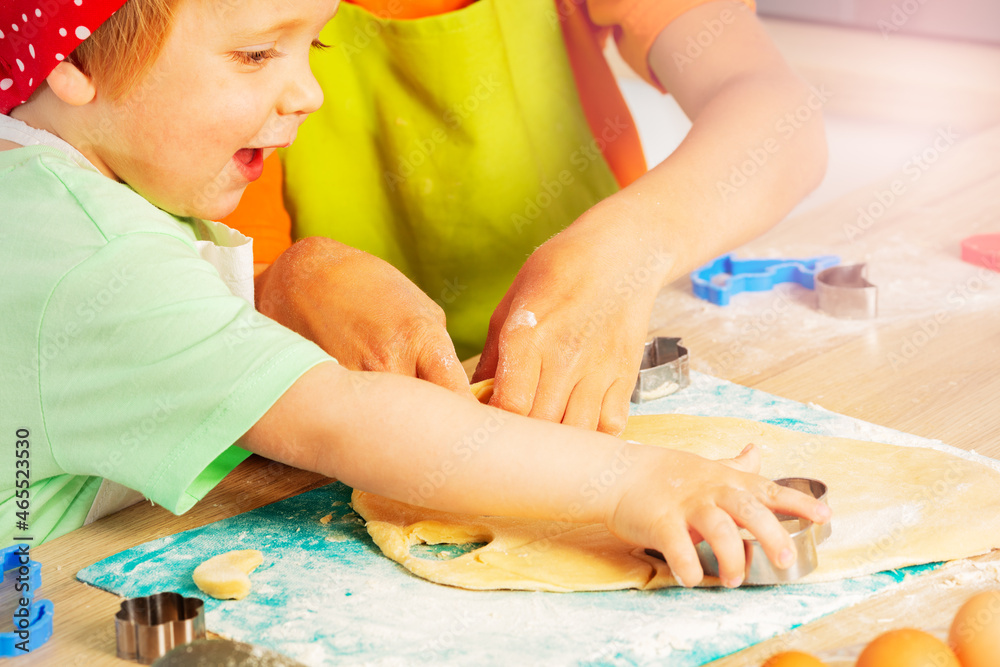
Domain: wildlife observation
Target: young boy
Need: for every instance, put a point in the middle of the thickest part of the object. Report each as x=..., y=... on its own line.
x=131, y=350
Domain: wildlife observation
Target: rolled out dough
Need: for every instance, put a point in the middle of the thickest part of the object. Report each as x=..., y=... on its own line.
x=893, y=506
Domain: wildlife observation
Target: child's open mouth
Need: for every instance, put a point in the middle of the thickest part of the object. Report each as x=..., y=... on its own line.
x=250, y=162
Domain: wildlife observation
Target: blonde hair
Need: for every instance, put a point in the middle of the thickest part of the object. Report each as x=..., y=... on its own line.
x=120, y=52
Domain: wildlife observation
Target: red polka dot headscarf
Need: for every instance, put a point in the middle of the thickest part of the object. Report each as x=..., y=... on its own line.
x=36, y=34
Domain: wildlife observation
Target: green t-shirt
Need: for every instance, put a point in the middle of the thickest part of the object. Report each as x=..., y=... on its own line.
x=123, y=354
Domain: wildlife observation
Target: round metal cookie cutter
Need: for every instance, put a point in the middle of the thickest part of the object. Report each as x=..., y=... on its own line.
x=806, y=536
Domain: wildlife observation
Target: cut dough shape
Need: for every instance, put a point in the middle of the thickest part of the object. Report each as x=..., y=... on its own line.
x=893, y=507
x=226, y=576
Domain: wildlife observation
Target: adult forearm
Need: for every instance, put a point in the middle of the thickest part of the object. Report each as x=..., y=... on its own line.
x=754, y=151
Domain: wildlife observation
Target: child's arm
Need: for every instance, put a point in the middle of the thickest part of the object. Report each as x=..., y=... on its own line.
x=418, y=443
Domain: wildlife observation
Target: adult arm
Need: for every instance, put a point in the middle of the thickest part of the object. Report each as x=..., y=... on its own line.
x=360, y=310
x=755, y=148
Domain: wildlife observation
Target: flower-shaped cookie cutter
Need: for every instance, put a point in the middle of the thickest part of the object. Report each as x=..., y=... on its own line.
x=147, y=627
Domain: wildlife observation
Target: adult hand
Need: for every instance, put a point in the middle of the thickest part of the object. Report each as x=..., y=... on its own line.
x=566, y=341
x=361, y=310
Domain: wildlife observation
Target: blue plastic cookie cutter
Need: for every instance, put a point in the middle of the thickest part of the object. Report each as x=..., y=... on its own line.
x=32, y=622
x=725, y=276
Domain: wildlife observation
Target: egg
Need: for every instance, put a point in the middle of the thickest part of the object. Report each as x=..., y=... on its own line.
x=793, y=659
x=975, y=632
x=907, y=648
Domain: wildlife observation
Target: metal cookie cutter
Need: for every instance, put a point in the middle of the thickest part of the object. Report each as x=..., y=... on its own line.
x=843, y=291
x=148, y=627
x=805, y=534
x=32, y=619
x=725, y=276
x=664, y=369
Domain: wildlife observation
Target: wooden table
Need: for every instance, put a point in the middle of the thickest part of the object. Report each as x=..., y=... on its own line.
x=935, y=379
x=948, y=390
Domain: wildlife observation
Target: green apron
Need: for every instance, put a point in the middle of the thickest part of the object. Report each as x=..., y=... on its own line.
x=450, y=146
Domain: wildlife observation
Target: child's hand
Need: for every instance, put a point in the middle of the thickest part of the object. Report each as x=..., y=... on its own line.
x=671, y=500
x=361, y=310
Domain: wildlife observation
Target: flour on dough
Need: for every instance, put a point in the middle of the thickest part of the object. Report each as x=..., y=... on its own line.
x=893, y=507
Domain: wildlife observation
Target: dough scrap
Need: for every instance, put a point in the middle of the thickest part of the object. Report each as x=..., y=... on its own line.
x=226, y=576
x=893, y=507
